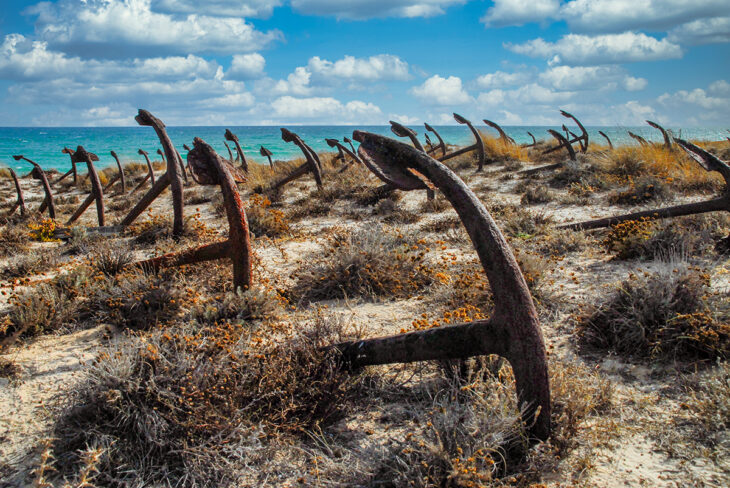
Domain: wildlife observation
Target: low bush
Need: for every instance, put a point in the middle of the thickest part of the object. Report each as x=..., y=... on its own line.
x=642, y=190
x=263, y=220
x=375, y=262
x=662, y=315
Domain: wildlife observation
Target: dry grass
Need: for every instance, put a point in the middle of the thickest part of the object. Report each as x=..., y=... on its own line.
x=370, y=262
x=263, y=220
x=186, y=407
x=661, y=315
x=496, y=150
x=26, y=265
x=39, y=310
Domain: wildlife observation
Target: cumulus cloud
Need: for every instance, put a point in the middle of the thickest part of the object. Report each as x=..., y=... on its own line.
x=442, y=91
x=246, y=66
x=699, y=106
x=622, y=15
x=374, y=68
x=329, y=108
x=519, y=12
x=367, y=9
x=500, y=79
x=578, y=49
x=590, y=78
x=124, y=28
x=705, y=31
x=227, y=8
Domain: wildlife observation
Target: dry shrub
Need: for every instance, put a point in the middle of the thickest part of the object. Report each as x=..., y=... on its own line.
x=438, y=204
x=660, y=315
x=81, y=241
x=110, y=258
x=196, y=196
x=473, y=435
x=138, y=300
x=308, y=207
x=497, y=150
x=641, y=190
x=707, y=401
x=369, y=262
x=665, y=239
x=263, y=220
x=519, y=222
x=14, y=239
x=242, y=306
x=41, y=309
x=442, y=225
x=394, y=213
x=563, y=241
x=462, y=292
x=25, y=265
x=10, y=370
x=581, y=172
x=533, y=193
x=120, y=204
x=185, y=407
x=158, y=227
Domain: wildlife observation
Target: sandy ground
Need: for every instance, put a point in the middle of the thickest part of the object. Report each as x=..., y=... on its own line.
x=51, y=364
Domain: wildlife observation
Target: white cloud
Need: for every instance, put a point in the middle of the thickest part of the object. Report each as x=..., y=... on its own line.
x=374, y=68
x=519, y=12
x=590, y=78
x=442, y=91
x=720, y=88
x=246, y=66
x=297, y=83
x=622, y=15
x=120, y=28
x=578, y=49
x=500, y=79
x=705, y=31
x=329, y=108
x=227, y=8
x=368, y=9
x=404, y=119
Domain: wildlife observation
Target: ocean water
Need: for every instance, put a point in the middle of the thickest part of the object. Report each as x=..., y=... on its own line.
x=44, y=145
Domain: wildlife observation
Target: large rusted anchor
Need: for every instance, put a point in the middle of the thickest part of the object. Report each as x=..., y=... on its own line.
x=562, y=142
x=38, y=174
x=665, y=134
x=310, y=165
x=20, y=202
x=171, y=178
x=72, y=171
x=403, y=131
x=150, y=172
x=709, y=162
x=534, y=141
x=572, y=138
x=334, y=143
x=210, y=169
x=230, y=136
x=97, y=194
x=502, y=134
x=610, y=144
x=512, y=332
x=642, y=142
x=267, y=154
x=118, y=176
x=478, y=145
x=441, y=144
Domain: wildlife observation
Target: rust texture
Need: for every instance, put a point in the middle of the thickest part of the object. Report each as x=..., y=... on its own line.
x=610, y=144
x=151, y=173
x=583, y=138
x=39, y=174
x=709, y=162
x=534, y=141
x=441, y=144
x=230, y=154
x=121, y=173
x=208, y=168
x=96, y=195
x=20, y=202
x=563, y=142
x=353, y=157
x=311, y=165
x=638, y=139
x=665, y=134
x=230, y=136
x=478, y=145
x=72, y=171
x=502, y=134
x=513, y=331
x=266, y=153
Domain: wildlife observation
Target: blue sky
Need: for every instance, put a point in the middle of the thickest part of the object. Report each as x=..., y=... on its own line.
x=261, y=62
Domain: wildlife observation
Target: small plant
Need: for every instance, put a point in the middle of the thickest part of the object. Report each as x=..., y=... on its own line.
x=263, y=220
x=138, y=300
x=365, y=263
x=393, y=213
x=641, y=190
x=626, y=239
x=519, y=222
x=242, y=306
x=29, y=264
x=662, y=315
x=532, y=194
x=43, y=231
x=111, y=258
x=36, y=311
x=13, y=239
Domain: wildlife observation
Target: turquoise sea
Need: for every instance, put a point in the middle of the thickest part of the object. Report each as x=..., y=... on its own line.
x=44, y=144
